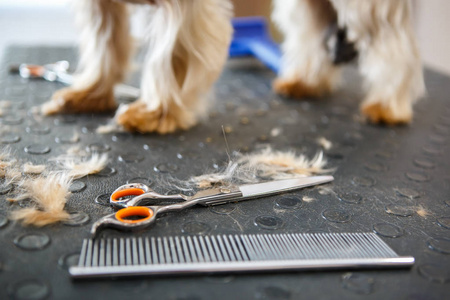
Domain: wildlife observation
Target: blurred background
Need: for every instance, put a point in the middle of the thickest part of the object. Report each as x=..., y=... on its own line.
x=50, y=22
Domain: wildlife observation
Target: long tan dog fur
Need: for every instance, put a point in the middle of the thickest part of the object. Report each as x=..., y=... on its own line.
x=188, y=42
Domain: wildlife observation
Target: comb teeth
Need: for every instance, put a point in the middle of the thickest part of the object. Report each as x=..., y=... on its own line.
x=167, y=254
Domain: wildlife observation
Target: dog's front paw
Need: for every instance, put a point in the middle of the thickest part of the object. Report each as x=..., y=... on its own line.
x=379, y=113
x=137, y=117
x=69, y=100
x=296, y=88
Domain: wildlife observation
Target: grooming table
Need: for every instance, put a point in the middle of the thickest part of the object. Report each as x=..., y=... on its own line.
x=383, y=177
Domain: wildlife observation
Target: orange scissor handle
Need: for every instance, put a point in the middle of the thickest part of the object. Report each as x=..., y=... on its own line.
x=126, y=192
x=132, y=211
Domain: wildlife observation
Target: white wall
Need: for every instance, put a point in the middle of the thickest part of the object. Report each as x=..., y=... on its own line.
x=50, y=22
x=433, y=32
x=38, y=22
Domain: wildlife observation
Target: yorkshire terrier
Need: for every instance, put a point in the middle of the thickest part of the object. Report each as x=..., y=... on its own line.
x=188, y=44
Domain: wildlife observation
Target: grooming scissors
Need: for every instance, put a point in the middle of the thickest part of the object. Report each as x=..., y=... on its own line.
x=130, y=197
x=58, y=71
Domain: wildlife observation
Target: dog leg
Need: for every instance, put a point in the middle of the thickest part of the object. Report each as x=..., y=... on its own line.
x=189, y=43
x=306, y=67
x=105, y=49
x=389, y=59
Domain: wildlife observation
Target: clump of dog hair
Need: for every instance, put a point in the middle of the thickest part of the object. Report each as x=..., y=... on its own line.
x=109, y=128
x=81, y=166
x=76, y=151
x=224, y=177
x=4, y=163
x=49, y=194
x=276, y=131
x=422, y=212
x=325, y=190
x=8, y=167
x=280, y=165
x=5, y=157
x=265, y=164
x=308, y=199
x=326, y=144
x=31, y=169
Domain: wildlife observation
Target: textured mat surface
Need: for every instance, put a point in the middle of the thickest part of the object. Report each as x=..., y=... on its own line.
x=383, y=177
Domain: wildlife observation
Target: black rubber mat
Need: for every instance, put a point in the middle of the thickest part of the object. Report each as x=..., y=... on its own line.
x=384, y=177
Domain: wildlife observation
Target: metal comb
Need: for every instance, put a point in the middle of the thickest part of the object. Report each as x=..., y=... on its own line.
x=234, y=253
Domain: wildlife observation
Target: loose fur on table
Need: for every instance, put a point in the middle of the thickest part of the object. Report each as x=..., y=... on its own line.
x=49, y=194
x=326, y=144
x=266, y=164
x=8, y=167
x=29, y=168
x=47, y=190
x=81, y=166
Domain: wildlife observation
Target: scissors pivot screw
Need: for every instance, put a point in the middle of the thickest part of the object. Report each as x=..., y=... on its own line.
x=225, y=190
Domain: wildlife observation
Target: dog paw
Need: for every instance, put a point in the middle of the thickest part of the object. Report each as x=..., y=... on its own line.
x=379, y=113
x=69, y=100
x=295, y=88
x=137, y=117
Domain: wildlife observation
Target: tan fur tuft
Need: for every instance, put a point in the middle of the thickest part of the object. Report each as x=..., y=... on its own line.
x=49, y=193
x=39, y=218
x=326, y=144
x=267, y=164
x=308, y=199
x=422, y=212
x=69, y=100
x=29, y=168
x=78, y=166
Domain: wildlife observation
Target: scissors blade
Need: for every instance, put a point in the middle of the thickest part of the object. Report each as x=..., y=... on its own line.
x=280, y=186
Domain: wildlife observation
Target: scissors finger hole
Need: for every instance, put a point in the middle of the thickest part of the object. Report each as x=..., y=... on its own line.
x=134, y=214
x=126, y=194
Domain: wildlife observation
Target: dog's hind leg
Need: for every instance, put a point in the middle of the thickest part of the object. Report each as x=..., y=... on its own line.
x=307, y=69
x=106, y=46
x=389, y=59
x=188, y=46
